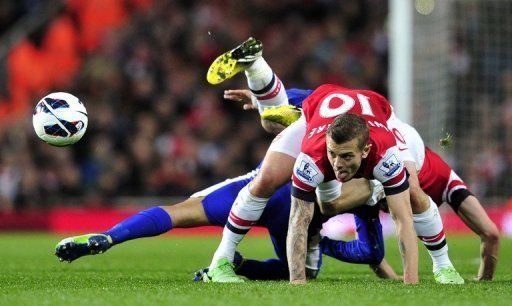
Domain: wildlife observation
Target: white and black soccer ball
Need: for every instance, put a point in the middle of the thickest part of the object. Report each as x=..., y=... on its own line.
x=60, y=119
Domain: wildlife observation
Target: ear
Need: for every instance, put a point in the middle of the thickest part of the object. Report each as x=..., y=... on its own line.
x=366, y=150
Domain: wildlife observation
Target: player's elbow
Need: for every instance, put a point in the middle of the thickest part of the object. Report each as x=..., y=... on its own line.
x=266, y=183
x=419, y=200
x=491, y=235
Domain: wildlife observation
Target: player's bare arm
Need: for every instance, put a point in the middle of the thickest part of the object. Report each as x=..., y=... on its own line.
x=400, y=209
x=474, y=215
x=385, y=271
x=419, y=199
x=301, y=213
x=249, y=103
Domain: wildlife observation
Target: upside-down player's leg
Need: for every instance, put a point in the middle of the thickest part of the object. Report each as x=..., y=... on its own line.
x=276, y=168
x=475, y=217
x=263, y=82
x=234, y=61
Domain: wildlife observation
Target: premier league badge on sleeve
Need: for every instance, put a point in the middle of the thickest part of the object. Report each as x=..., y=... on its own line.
x=306, y=172
x=390, y=166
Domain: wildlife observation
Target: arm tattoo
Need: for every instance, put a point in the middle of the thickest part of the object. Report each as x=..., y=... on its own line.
x=401, y=246
x=301, y=214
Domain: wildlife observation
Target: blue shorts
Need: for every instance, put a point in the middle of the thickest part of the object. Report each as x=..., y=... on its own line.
x=219, y=198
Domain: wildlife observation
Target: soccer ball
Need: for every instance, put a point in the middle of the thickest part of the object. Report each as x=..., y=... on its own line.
x=60, y=119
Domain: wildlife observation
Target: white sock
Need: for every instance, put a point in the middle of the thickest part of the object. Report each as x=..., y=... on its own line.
x=429, y=228
x=265, y=85
x=246, y=211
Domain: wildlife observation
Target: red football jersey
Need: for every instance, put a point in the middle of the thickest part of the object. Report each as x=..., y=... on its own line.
x=437, y=179
x=320, y=109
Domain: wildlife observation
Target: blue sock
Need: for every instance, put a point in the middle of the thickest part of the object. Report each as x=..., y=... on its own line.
x=270, y=269
x=150, y=222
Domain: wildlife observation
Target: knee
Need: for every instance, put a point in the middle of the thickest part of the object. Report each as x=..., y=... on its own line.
x=265, y=184
x=379, y=255
x=376, y=254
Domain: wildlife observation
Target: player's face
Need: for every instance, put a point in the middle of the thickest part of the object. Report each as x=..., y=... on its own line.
x=345, y=158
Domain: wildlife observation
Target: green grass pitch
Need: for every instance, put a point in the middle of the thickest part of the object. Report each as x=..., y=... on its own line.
x=158, y=271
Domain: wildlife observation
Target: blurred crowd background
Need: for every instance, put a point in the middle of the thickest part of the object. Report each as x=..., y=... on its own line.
x=156, y=128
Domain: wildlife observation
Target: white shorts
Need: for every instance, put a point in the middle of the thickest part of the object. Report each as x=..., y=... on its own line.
x=408, y=141
x=289, y=141
x=207, y=191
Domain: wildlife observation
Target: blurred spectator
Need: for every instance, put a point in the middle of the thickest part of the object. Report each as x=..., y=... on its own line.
x=156, y=128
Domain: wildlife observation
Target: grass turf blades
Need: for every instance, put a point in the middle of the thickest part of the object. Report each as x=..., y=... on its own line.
x=158, y=271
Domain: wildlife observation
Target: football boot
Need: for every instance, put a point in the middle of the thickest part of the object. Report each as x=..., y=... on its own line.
x=232, y=62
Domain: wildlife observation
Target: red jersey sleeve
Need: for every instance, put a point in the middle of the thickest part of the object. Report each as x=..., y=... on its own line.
x=391, y=172
x=307, y=175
